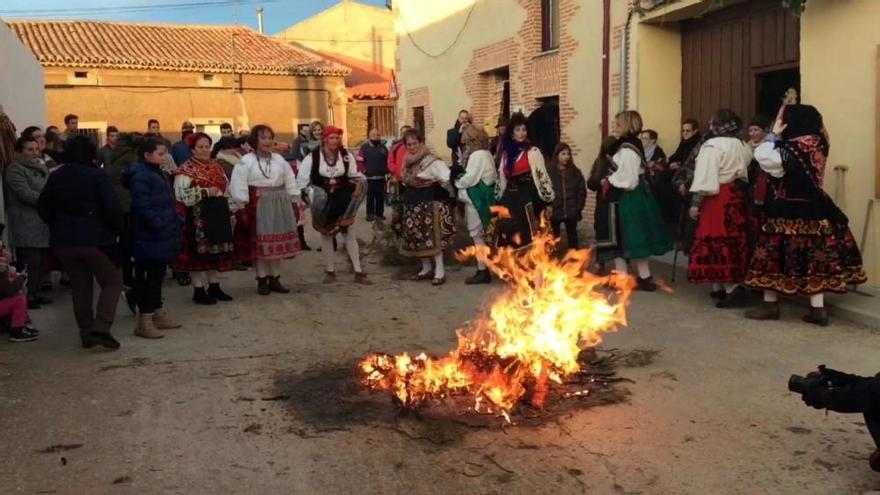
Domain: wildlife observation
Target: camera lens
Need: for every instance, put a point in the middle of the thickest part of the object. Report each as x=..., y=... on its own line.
x=796, y=384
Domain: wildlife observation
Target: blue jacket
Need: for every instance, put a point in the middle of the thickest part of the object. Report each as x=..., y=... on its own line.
x=156, y=227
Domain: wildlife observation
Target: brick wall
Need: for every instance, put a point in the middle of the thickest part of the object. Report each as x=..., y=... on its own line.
x=419, y=97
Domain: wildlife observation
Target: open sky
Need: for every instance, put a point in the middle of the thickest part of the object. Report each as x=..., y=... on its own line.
x=278, y=15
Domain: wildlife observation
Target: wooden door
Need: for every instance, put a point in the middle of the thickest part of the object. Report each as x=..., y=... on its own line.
x=725, y=52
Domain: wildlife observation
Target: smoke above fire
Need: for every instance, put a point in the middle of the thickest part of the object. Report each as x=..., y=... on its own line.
x=528, y=338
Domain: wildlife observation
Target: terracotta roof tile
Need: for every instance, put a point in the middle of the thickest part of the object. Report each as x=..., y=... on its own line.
x=366, y=81
x=120, y=45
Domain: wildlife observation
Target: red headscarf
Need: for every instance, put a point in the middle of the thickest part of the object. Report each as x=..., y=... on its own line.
x=329, y=131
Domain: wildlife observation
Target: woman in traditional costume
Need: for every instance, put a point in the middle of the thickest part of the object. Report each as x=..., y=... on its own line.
x=427, y=224
x=476, y=189
x=805, y=246
x=200, y=187
x=606, y=221
x=720, y=255
x=524, y=188
x=264, y=182
x=337, y=192
x=641, y=226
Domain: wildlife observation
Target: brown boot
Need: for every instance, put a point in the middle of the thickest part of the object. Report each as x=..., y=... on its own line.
x=263, y=286
x=817, y=316
x=329, y=277
x=163, y=321
x=275, y=285
x=361, y=278
x=146, y=329
x=766, y=311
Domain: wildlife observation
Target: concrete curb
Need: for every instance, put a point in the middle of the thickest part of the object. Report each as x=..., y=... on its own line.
x=861, y=308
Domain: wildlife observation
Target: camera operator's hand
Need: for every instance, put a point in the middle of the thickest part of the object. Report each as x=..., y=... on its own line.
x=815, y=397
x=838, y=378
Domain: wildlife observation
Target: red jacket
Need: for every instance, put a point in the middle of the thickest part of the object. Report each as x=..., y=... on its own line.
x=395, y=160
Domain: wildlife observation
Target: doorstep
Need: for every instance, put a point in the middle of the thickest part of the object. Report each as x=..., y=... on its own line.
x=861, y=307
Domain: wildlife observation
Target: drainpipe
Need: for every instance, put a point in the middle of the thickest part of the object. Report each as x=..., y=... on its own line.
x=606, y=63
x=260, y=19
x=624, y=60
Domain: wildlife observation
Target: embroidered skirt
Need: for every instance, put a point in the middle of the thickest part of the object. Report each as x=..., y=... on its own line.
x=524, y=206
x=208, y=242
x=805, y=256
x=721, y=246
x=426, y=226
x=643, y=233
x=335, y=210
x=266, y=229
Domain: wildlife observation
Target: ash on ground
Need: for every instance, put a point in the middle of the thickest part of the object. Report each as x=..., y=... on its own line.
x=331, y=398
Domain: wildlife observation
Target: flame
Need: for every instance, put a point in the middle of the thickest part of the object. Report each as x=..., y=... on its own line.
x=530, y=336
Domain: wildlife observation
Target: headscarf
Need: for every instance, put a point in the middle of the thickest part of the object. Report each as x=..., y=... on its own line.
x=329, y=131
x=725, y=123
x=802, y=120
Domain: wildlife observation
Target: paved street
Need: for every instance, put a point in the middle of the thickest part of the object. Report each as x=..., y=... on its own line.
x=210, y=409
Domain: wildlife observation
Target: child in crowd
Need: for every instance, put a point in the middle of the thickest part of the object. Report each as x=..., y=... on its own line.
x=13, y=302
x=570, y=190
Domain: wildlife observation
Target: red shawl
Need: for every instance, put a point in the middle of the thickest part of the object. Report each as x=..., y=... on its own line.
x=204, y=174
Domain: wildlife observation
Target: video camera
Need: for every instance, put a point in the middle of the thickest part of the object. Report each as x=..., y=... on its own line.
x=836, y=391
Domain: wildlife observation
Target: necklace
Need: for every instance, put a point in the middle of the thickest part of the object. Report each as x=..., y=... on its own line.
x=268, y=168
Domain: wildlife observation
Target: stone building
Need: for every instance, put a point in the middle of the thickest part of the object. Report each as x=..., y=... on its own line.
x=123, y=74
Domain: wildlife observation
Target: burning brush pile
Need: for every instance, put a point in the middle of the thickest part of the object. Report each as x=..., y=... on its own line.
x=530, y=340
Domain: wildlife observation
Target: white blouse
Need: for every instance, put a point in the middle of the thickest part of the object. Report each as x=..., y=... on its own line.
x=304, y=175
x=769, y=159
x=249, y=172
x=721, y=160
x=187, y=193
x=480, y=167
x=629, y=168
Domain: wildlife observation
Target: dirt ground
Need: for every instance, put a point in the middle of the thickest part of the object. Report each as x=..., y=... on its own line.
x=224, y=405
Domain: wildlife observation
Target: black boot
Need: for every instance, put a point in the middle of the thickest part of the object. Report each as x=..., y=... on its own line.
x=647, y=284
x=275, y=285
x=200, y=296
x=217, y=293
x=481, y=277
x=301, y=232
x=766, y=311
x=263, y=286
x=736, y=299
x=817, y=316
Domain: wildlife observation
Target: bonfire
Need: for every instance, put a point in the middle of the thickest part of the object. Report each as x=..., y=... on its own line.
x=529, y=337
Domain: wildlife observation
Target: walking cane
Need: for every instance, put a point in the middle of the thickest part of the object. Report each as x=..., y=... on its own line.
x=679, y=234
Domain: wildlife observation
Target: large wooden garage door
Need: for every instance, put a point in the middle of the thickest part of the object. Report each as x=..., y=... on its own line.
x=742, y=57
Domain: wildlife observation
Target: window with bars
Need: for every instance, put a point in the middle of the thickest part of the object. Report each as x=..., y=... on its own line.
x=549, y=25
x=382, y=118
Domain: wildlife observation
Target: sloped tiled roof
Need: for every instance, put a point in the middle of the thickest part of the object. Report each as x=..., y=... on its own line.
x=366, y=81
x=191, y=48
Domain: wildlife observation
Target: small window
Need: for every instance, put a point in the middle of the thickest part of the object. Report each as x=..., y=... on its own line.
x=81, y=75
x=208, y=77
x=549, y=25
x=419, y=120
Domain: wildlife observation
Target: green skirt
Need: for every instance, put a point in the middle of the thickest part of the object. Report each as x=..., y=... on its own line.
x=642, y=231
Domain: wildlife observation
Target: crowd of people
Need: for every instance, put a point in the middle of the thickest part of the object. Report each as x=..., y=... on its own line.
x=746, y=205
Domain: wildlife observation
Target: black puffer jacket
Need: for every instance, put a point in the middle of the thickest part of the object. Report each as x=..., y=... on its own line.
x=571, y=192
